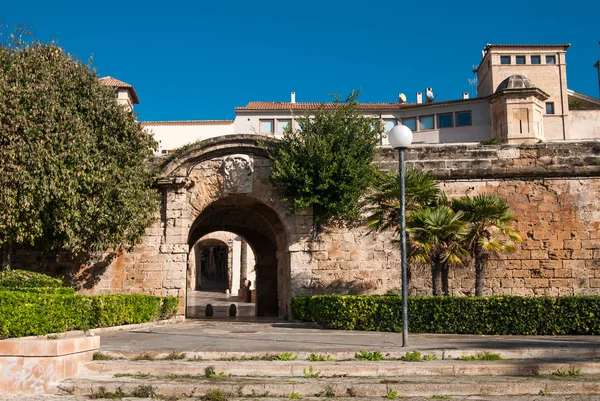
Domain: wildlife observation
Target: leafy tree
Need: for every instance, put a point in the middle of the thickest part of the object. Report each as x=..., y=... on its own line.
x=73, y=172
x=437, y=235
x=326, y=163
x=490, y=231
x=383, y=201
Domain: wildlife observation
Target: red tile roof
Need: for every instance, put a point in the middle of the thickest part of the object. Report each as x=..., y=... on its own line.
x=287, y=106
x=115, y=83
x=188, y=122
x=377, y=107
x=563, y=45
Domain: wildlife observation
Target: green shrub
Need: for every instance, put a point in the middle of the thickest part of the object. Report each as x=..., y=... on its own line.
x=501, y=315
x=32, y=313
x=10, y=279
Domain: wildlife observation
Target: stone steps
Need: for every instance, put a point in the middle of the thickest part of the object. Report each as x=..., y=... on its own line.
x=558, y=353
x=297, y=368
x=368, y=387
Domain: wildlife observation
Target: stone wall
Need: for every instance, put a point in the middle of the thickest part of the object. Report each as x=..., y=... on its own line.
x=554, y=190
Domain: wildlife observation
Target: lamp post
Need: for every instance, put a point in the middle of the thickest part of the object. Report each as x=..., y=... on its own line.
x=400, y=138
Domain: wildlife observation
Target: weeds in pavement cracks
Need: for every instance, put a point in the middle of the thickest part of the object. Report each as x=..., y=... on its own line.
x=99, y=356
x=319, y=358
x=210, y=373
x=143, y=357
x=481, y=356
x=368, y=356
x=175, y=356
x=215, y=395
x=310, y=373
x=571, y=372
x=141, y=391
x=327, y=393
x=414, y=356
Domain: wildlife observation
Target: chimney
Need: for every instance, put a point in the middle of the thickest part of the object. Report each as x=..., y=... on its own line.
x=465, y=95
x=419, y=97
x=293, y=97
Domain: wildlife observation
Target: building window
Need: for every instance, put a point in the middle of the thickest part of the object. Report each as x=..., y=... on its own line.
x=410, y=123
x=283, y=125
x=426, y=122
x=504, y=59
x=550, y=108
x=536, y=60
x=388, y=124
x=550, y=59
x=520, y=59
x=266, y=126
x=463, y=118
x=445, y=120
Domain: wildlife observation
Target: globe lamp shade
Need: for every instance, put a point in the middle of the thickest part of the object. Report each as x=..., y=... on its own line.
x=400, y=136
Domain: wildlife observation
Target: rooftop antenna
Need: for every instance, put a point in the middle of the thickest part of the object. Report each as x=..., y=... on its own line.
x=473, y=85
x=401, y=98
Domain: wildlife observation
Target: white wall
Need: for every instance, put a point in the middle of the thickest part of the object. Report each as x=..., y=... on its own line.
x=248, y=122
x=172, y=135
x=584, y=124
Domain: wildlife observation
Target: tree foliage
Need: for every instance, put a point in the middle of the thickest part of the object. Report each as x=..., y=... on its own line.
x=490, y=231
x=437, y=238
x=73, y=172
x=383, y=200
x=326, y=163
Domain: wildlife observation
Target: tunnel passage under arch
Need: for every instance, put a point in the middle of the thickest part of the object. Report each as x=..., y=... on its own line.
x=211, y=265
x=260, y=226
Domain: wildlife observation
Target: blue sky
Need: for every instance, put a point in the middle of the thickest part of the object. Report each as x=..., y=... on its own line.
x=199, y=59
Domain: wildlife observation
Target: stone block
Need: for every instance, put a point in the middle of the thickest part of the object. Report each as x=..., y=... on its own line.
x=538, y=254
x=590, y=244
x=536, y=282
x=566, y=273
x=521, y=273
x=551, y=264
x=512, y=283
x=574, y=264
x=582, y=254
x=572, y=244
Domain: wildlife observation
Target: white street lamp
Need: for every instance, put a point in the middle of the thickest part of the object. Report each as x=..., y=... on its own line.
x=400, y=138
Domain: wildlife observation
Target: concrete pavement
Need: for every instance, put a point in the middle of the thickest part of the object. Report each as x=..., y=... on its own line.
x=256, y=337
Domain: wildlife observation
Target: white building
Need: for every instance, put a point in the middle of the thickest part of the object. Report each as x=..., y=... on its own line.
x=522, y=97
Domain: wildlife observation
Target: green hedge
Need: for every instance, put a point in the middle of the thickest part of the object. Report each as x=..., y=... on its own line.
x=12, y=279
x=42, y=290
x=454, y=315
x=29, y=313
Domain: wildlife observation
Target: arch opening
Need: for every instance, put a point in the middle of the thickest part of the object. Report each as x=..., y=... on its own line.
x=261, y=228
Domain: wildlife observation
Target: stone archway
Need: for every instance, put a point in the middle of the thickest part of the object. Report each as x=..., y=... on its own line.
x=222, y=184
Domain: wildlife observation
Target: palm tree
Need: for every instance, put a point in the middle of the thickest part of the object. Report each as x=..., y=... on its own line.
x=490, y=231
x=383, y=203
x=437, y=235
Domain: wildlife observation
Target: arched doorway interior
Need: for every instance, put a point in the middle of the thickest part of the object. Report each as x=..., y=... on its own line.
x=264, y=232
